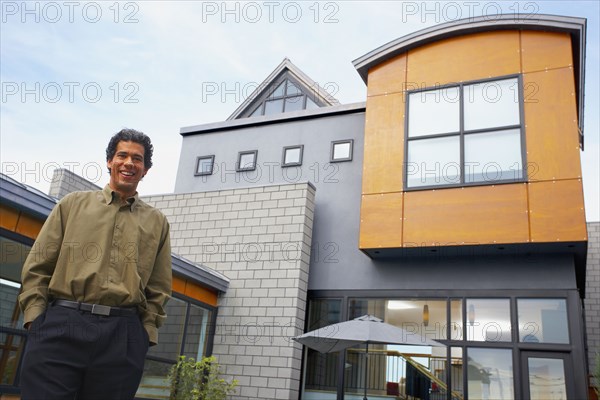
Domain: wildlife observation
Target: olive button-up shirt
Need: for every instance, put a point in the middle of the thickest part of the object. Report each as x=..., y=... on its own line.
x=95, y=248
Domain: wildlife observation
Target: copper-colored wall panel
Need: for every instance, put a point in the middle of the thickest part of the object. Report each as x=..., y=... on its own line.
x=483, y=214
x=551, y=129
x=194, y=291
x=381, y=221
x=8, y=218
x=384, y=144
x=545, y=50
x=178, y=285
x=556, y=211
x=464, y=216
x=28, y=226
x=201, y=293
x=469, y=57
x=387, y=77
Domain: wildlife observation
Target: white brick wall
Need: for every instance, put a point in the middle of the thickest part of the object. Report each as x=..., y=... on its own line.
x=260, y=239
x=592, y=294
x=64, y=182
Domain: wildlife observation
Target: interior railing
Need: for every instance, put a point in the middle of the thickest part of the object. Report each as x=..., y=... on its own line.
x=390, y=374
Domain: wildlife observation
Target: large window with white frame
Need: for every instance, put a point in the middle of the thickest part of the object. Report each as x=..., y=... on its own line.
x=465, y=134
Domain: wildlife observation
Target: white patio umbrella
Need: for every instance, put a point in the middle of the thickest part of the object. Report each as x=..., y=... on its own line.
x=362, y=330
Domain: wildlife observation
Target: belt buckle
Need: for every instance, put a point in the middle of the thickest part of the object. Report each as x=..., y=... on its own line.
x=99, y=309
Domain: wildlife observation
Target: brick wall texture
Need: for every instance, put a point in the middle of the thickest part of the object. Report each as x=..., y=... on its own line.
x=260, y=239
x=65, y=182
x=592, y=294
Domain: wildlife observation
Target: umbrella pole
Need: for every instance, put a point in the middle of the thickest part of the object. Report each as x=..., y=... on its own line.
x=366, y=372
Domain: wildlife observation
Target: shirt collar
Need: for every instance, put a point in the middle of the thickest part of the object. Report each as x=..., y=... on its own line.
x=110, y=196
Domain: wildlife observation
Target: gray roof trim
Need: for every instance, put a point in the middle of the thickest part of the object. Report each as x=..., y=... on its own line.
x=36, y=203
x=273, y=119
x=199, y=273
x=25, y=198
x=575, y=26
x=301, y=77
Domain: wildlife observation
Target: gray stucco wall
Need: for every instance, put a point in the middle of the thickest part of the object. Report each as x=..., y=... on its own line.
x=336, y=262
x=335, y=253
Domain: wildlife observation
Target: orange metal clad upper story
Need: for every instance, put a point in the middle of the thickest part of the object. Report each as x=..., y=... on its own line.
x=472, y=135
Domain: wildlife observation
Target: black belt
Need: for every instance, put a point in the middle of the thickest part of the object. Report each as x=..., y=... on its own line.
x=96, y=309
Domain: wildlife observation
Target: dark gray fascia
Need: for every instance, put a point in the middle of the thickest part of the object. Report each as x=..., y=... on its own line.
x=272, y=119
x=199, y=273
x=25, y=198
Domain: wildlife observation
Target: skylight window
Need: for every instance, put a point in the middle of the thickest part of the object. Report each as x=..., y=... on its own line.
x=286, y=97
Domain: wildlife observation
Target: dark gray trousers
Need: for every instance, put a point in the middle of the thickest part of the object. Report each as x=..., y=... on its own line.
x=73, y=354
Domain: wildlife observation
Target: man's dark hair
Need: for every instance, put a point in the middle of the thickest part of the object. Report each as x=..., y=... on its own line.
x=131, y=135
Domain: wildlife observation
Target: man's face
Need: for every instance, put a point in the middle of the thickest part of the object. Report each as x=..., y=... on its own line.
x=127, y=168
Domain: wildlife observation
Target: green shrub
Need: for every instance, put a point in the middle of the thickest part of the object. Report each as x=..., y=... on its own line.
x=199, y=380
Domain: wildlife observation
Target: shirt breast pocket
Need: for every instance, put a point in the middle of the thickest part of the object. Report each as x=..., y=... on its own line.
x=146, y=249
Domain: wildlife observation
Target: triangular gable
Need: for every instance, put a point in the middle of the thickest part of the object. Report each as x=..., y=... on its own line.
x=286, y=89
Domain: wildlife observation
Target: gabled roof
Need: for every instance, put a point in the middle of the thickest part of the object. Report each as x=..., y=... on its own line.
x=285, y=69
x=574, y=26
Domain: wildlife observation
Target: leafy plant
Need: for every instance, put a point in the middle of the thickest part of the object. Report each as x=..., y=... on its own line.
x=199, y=380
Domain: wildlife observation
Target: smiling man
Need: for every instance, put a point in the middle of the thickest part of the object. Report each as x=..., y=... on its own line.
x=95, y=285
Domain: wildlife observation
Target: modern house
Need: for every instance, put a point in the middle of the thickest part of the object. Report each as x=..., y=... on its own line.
x=449, y=204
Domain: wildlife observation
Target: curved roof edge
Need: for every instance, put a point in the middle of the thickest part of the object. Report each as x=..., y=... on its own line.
x=575, y=26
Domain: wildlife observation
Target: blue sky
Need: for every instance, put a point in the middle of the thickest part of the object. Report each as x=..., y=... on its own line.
x=73, y=73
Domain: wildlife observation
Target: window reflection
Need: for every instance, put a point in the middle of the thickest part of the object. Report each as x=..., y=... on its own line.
x=273, y=106
x=162, y=356
x=543, y=320
x=341, y=150
x=406, y=371
x=489, y=374
x=434, y=112
x=11, y=347
x=488, y=320
x=546, y=378
x=493, y=156
x=491, y=104
x=171, y=333
x=197, y=332
x=286, y=97
x=322, y=369
x=469, y=133
x=292, y=155
x=456, y=320
x=433, y=162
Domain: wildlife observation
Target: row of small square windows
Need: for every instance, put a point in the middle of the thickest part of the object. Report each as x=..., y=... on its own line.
x=341, y=150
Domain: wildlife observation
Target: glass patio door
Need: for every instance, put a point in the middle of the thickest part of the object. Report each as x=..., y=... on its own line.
x=547, y=376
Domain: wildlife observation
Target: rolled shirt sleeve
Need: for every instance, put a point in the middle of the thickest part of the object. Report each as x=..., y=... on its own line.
x=158, y=288
x=40, y=264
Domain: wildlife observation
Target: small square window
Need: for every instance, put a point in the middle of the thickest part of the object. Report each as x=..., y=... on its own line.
x=204, y=165
x=246, y=160
x=341, y=150
x=292, y=156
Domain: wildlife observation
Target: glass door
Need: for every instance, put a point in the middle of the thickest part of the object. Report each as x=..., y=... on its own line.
x=547, y=376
